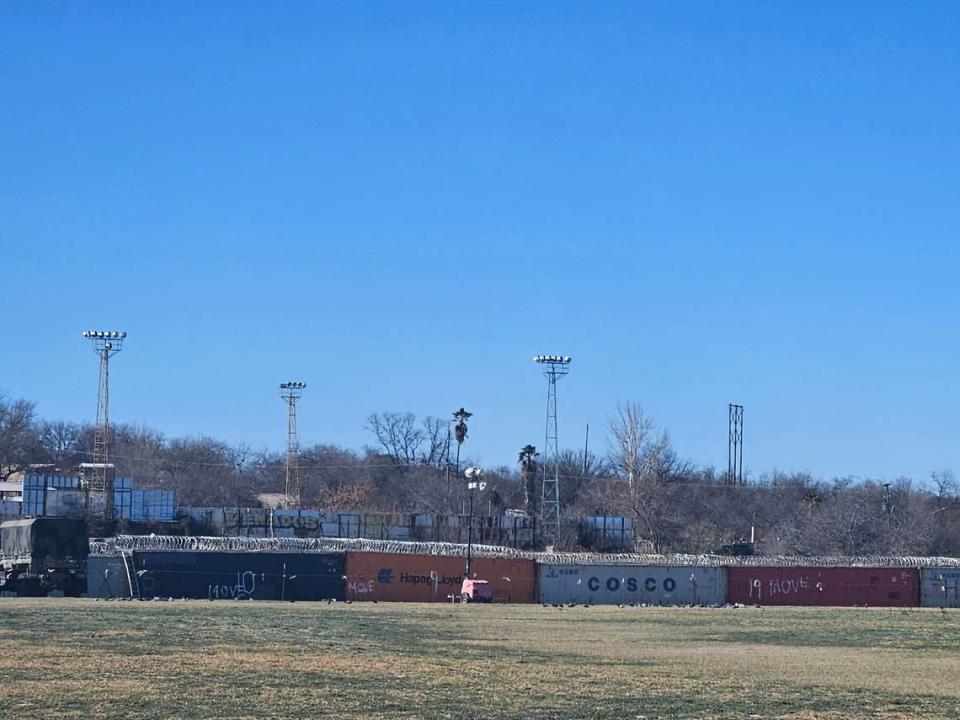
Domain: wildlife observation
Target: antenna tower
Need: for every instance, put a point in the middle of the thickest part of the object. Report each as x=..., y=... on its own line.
x=735, y=445
x=291, y=392
x=554, y=366
x=106, y=344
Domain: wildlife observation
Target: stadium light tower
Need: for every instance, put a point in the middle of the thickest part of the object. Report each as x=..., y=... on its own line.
x=554, y=366
x=106, y=344
x=291, y=392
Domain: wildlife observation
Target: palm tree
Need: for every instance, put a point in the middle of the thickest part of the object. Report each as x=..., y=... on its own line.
x=460, y=432
x=528, y=471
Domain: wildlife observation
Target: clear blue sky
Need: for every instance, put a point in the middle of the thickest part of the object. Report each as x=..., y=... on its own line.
x=401, y=203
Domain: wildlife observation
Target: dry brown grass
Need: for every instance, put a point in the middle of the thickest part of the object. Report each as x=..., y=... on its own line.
x=81, y=659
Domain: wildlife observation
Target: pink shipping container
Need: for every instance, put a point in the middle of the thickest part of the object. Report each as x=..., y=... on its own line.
x=875, y=587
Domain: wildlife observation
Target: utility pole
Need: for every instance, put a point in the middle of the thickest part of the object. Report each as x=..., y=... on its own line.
x=474, y=483
x=735, y=445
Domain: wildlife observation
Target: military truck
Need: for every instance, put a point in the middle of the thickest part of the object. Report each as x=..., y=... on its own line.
x=39, y=555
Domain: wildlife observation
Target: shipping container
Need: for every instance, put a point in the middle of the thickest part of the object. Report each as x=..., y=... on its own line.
x=34, y=501
x=627, y=584
x=65, y=502
x=304, y=523
x=940, y=587
x=433, y=578
x=51, y=481
x=150, y=505
x=121, y=499
x=240, y=575
x=879, y=586
x=107, y=577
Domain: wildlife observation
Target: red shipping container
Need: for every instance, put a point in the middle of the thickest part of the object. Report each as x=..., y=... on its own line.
x=875, y=587
x=433, y=578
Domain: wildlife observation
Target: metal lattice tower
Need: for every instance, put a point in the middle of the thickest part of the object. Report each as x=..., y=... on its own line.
x=554, y=366
x=291, y=392
x=735, y=445
x=106, y=344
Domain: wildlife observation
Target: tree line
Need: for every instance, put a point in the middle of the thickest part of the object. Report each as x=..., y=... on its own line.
x=414, y=465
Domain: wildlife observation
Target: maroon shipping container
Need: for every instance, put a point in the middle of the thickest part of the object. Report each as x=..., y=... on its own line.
x=875, y=587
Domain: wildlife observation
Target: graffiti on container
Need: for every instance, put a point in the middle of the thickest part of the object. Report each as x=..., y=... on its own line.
x=300, y=522
x=244, y=588
x=260, y=518
x=362, y=587
x=782, y=586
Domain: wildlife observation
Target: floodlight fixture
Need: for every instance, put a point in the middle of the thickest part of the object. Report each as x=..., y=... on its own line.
x=104, y=334
x=553, y=359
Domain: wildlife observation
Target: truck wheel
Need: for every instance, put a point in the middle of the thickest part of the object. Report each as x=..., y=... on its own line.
x=74, y=588
x=28, y=587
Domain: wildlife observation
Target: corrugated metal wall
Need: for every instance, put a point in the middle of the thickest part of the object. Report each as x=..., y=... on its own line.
x=240, y=575
x=823, y=586
x=940, y=587
x=106, y=577
x=432, y=578
x=616, y=584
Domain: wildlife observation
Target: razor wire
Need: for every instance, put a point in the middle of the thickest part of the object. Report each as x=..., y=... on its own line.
x=179, y=543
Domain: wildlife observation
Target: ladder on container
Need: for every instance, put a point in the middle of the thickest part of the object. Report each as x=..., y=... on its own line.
x=133, y=582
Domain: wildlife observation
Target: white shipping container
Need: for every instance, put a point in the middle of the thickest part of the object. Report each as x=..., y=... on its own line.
x=626, y=584
x=940, y=587
x=107, y=577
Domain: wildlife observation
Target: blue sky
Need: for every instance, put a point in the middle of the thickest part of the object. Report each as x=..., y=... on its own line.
x=401, y=203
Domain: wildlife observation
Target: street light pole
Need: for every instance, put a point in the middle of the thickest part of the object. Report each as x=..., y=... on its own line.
x=474, y=482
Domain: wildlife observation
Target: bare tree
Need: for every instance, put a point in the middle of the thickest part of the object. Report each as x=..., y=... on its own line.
x=436, y=435
x=19, y=444
x=645, y=459
x=398, y=434
x=203, y=472
x=64, y=443
x=945, y=483
x=630, y=436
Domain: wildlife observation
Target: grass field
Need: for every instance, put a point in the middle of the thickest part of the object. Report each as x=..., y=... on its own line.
x=194, y=659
